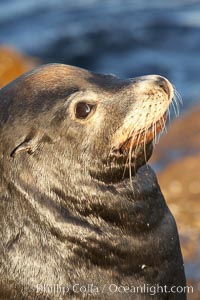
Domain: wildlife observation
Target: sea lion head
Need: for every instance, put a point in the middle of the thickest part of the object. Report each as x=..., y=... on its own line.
x=65, y=121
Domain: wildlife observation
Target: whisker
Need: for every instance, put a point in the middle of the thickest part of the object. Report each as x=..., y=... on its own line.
x=126, y=164
x=155, y=130
x=138, y=139
x=132, y=134
x=130, y=171
x=152, y=128
x=177, y=95
x=131, y=147
x=164, y=124
x=174, y=108
x=176, y=103
x=145, y=154
x=169, y=115
x=130, y=157
x=163, y=128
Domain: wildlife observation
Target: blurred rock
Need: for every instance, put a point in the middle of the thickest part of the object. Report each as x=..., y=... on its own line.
x=13, y=64
x=180, y=185
x=179, y=154
x=183, y=139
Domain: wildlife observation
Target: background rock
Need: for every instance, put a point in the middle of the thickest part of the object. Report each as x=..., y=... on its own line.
x=13, y=64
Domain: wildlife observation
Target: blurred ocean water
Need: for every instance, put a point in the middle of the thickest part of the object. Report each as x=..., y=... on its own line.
x=128, y=38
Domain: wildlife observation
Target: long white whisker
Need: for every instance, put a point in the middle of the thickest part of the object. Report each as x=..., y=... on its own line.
x=174, y=108
x=177, y=95
x=155, y=130
x=177, y=105
x=169, y=115
x=164, y=124
x=145, y=154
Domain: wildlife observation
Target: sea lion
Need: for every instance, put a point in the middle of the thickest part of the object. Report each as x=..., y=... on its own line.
x=82, y=214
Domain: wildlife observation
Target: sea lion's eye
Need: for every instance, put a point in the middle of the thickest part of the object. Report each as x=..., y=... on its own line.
x=83, y=109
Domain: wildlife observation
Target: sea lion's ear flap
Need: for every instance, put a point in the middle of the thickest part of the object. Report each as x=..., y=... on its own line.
x=26, y=146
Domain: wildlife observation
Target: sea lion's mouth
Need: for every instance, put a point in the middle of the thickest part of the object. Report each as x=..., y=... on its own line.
x=138, y=145
x=144, y=136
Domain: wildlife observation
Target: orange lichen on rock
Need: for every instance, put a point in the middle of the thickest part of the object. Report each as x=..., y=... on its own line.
x=13, y=64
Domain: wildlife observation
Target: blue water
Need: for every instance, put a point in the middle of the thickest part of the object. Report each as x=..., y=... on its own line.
x=128, y=38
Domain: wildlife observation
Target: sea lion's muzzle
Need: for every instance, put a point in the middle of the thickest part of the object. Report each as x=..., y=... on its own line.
x=156, y=80
x=147, y=115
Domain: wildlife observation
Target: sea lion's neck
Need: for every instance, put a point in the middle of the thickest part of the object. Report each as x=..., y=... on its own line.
x=93, y=204
x=133, y=208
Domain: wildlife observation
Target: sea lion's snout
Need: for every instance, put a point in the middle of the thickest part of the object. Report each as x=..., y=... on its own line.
x=152, y=81
x=145, y=119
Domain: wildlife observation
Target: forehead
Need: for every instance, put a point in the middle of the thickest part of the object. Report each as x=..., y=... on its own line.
x=59, y=76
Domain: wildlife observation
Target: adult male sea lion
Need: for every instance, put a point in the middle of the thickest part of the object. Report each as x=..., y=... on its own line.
x=81, y=213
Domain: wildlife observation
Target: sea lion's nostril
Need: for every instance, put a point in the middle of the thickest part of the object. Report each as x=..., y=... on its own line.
x=165, y=85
